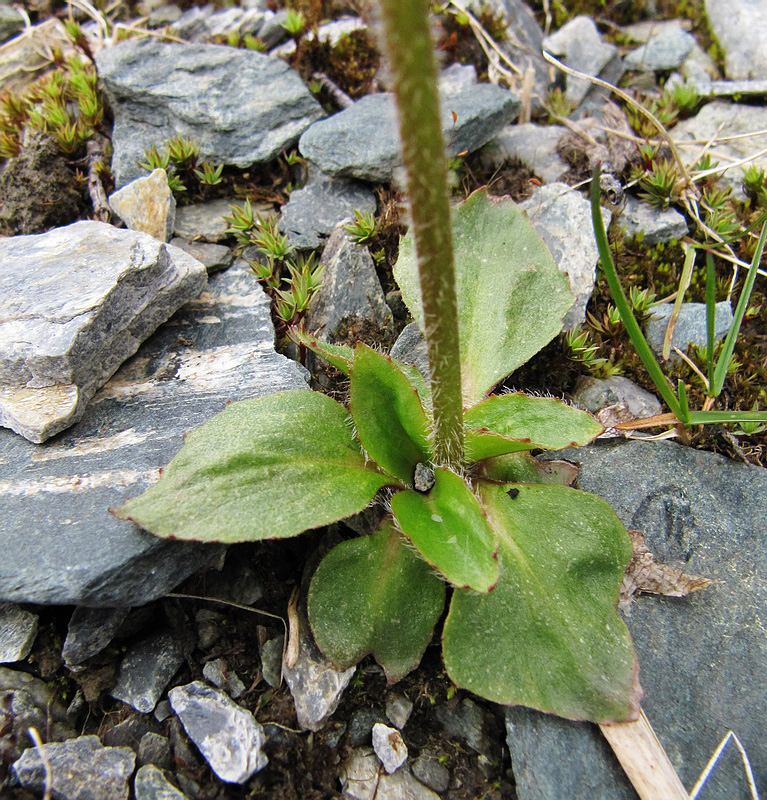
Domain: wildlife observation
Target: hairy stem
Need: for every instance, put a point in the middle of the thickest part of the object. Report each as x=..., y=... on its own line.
x=411, y=55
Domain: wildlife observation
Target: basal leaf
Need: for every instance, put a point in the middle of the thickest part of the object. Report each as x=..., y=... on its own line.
x=521, y=467
x=509, y=423
x=338, y=356
x=390, y=421
x=549, y=635
x=375, y=595
x=266, y=468
x=511, y=295
x=449, y=529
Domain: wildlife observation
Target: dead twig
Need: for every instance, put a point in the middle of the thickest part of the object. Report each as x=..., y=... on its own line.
x=96, y=159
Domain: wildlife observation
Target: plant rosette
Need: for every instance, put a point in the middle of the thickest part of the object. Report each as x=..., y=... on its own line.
x=533, y=566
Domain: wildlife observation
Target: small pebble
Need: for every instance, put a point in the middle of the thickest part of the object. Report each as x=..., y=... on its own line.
x=389, y=746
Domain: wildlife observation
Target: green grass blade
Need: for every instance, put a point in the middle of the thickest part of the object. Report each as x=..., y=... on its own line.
x=684, y=283
x=623, y=306
x=715, y=417
x=710, y=316
x=720, y=373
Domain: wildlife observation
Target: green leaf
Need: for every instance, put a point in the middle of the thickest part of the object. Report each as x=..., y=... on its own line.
x=375, y=595
x=449, y=529
x=512, y=422
x=511, y=295
x=338, y=356
x=261, y=469
x=390, y=421
x=521, y=467
x=549, y=635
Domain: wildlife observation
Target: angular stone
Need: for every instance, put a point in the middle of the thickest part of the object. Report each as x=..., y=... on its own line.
x=657, y=226
x=362, y=779
x=219, y=675
x=398, y=709
x=361, y=725
x=213, y=257
x=389, y=746
x=740, y=27
x=60, y=543
x=330, y=32
x=690, y=326
x=80, y=769
x=645, y=30
x=129, y=732
x=473, y=724
x=703, y=658
x=350, y=286
x=593, y=394
x=581, y=45
x=457, y=78
x=164, y=15
x=713, y=88
x=315, y=684
x=226, y=734
x=155, y=749
x=562, y=217
x=158, y=90
x=27, y=702
x=666, y=50
x=80, y=300
x=147, y=205
x=431, y=773
x=18, y=629
x=271, y=661
x=151, y=784
x=311, y=213
x=146, y=670
x=718, y=120
x=206, y=220
x=362, y=141
x=536, y=147
x=90, y=630
x=410, y=348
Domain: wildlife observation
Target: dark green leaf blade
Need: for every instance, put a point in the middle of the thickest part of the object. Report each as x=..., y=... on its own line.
x=390, y=421
x=509, y=423
x=266, y=468
x=511, y=295
x=449, y=529
x=549, y=635
x=375, y=595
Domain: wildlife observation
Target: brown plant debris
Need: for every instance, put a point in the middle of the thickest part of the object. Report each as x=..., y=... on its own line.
x=645, y=574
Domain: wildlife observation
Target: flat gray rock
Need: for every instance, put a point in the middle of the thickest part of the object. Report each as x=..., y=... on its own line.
x=60, y=543
x=80, y=769
x=593, y=394
x=213, y=257
x=218, y=673
x=89, y=631
x=536, y=147
x=11, y=22
x=718, y=120
x=311, y=213
x=580, y=44
x=239, y=106
x=740, y=27
x=79, y=301
x=666, y=50
x=18, y=629
x=690, y=326
x=410, y=348
x=656, y=226
x=151, y=784
x=226, y=734
x=350, y=286
x=146, y=670
x=204, y=221
x=703, y=659
x=362, y=141
x=562, y=217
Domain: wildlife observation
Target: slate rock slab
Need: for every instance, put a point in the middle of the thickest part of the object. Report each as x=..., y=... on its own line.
x=362, y=141
x=536, y=147
x=81, y=769
x=78, y=301
x=703, y=659
x=60, y=545
x=239, y=106
x=89, y=631
x=740, y=27
x=226, y=734
x=690, y=326
x=311, y=213
x=666, y=50
x=655, y=225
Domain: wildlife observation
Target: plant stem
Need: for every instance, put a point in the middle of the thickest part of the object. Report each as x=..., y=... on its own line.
x=411, y=57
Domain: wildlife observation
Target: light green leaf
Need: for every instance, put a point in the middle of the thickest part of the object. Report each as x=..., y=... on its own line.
x=549, y=635
x=261, y=469
x=449, y=529
x=521, y=467
x=375, y=595
x=390, y=421
x=511, y=295
x=338, y=356
x=509, y=423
